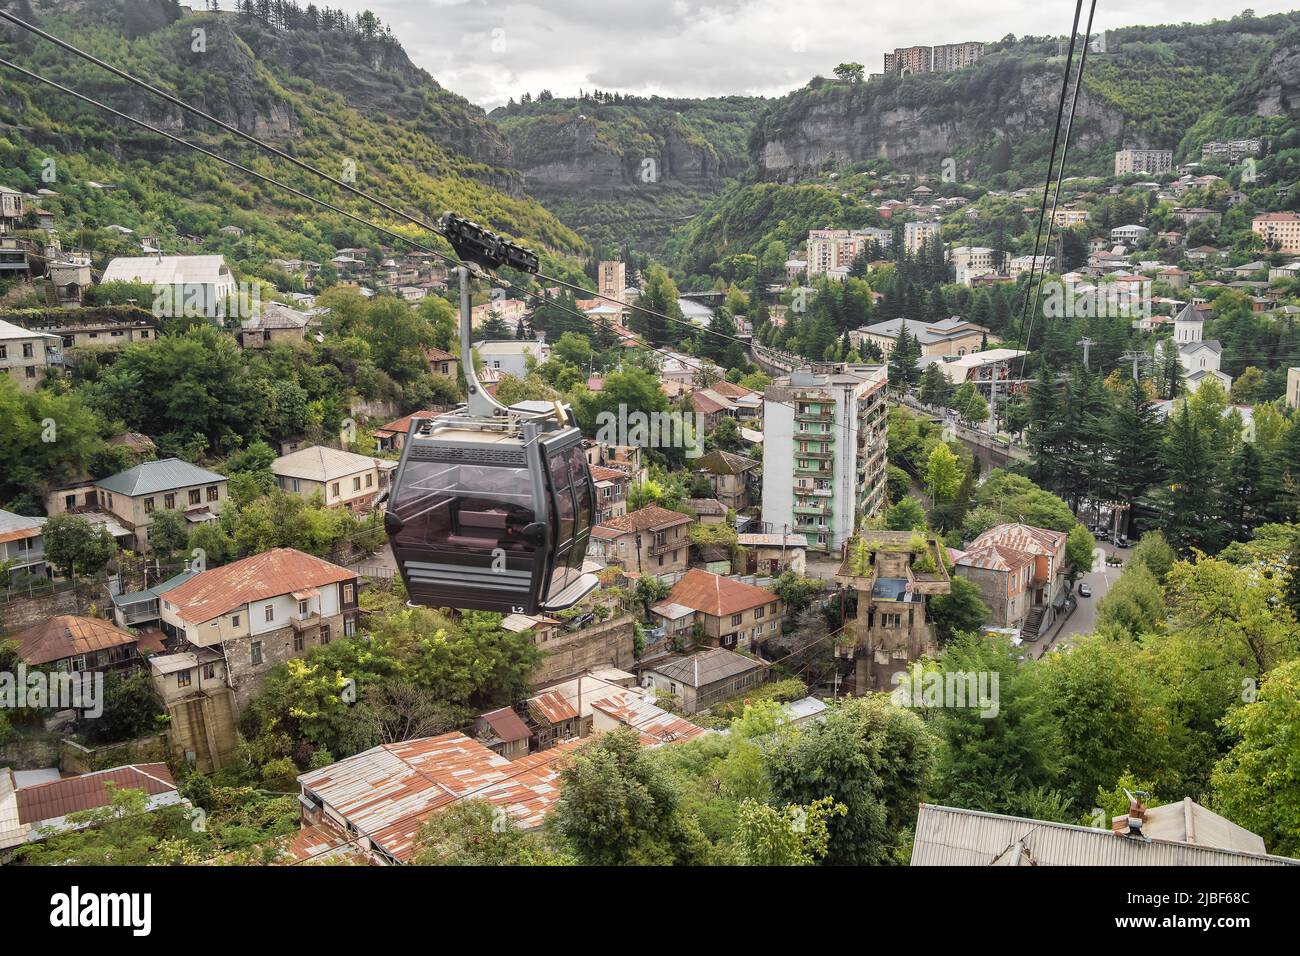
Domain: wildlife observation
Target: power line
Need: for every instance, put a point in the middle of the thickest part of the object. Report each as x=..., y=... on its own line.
x=1051, y=159
x=307, y=167
x=1060, y=173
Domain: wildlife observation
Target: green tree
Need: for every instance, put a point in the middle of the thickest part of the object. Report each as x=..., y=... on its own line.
x=1079, y=547
x=943, y=474
x=475, y=833
x=870, y=757
x=617, y=808
x=168, y=533
x=1257, y=785
x=75, y=546
x=961, y=611
x=905, y=515
x=785, y=836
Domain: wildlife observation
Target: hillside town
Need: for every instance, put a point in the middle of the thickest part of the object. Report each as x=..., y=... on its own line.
x=947, y=520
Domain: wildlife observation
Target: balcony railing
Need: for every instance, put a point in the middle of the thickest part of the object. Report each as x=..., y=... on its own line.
x=663, y=547
x=305, y=622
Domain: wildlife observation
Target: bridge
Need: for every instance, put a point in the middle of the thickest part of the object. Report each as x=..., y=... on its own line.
x=990, y=450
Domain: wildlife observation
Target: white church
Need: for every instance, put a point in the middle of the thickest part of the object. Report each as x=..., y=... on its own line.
x=1199, y=358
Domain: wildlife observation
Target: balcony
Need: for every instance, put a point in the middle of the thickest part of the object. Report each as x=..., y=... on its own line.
x=816, y=510
x=305, y=622
x=809, y=416
x=823, y=455
x=811, y=526
x=663, y=547
x=810, y=435
x=814, y=472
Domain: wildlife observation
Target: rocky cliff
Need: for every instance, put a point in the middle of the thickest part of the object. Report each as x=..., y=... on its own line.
x=916, y=122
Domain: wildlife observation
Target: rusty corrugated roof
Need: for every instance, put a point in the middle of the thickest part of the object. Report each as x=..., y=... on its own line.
x=68, y=636
x=49, y=801
x=270, y=574
x=388, y=792
x=995, y=557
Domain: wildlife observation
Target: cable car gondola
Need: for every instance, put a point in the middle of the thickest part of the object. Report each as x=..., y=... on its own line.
x=492, y=507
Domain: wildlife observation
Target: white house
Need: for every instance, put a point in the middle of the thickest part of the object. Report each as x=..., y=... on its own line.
x=1130, y=233
x=510, y=357
x=182, y=285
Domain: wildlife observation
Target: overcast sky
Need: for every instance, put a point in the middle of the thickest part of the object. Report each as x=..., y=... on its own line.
x=492, y=50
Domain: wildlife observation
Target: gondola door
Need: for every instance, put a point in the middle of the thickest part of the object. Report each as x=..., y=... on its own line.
x=572, y=497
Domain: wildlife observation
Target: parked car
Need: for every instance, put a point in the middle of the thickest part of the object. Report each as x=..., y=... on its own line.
x=1085, y=590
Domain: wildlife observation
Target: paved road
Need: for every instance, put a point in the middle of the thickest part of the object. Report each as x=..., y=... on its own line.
x=1084, y=618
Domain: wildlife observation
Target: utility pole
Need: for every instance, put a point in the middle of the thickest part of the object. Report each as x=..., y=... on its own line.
x=1087, y=343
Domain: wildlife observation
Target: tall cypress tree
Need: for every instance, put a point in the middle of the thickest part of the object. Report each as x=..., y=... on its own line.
x=1132, y=439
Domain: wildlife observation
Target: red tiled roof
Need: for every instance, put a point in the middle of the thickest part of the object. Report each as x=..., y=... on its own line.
x=601, y=473
x=68, y=636
x=438, y=355
x=645, y=519
x=47, y=801
x=715, y=595
x=403, y=425
x=270, y=574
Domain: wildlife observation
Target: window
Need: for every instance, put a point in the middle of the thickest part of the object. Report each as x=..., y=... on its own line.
x=735, y=619
x=148, y=506
x=302, y=607
x=31, y=371
x=297, y=643
x=169, y=502
x=213, y=492
x=257, y=653
x=661, y=560
x=209, y=671
x=356, y=483
x=196, y=497
x=334, y=489
x=370, y=480
x=759, y=611
x=324, y=634
x=4, y=351
x=27, y=350
x=270, y=612
x=349, y=593
x=184, y=678
x=234, y=620
x=349, y=627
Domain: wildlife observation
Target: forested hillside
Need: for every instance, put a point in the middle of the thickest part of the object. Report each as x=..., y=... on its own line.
x=338, y=93
x=625, y=171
